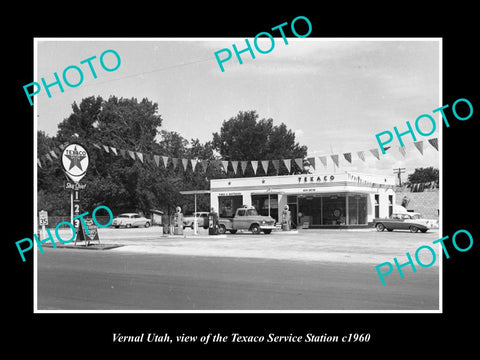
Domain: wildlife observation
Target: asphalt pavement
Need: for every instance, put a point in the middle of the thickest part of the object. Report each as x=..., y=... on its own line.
x=311, y=270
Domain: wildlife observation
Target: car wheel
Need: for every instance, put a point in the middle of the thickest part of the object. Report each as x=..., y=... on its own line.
x=117, y=226
x=233, y=231
x=222, y=229
x=128, y=225
x=380, y=227
x=424, y=230
x=390, y=230
x=413, y=229
x=255, y=229
x=268, y=231
x=147, y=224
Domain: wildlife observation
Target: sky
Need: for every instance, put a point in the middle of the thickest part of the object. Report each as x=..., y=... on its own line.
x=336, y=94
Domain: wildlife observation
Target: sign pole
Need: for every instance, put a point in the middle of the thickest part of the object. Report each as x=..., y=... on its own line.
x=71, y=207
x=195, y=225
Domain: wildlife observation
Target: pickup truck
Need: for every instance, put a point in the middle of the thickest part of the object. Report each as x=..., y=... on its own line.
x=246, y=218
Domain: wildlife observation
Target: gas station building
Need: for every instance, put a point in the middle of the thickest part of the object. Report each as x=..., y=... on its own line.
x=320, y=200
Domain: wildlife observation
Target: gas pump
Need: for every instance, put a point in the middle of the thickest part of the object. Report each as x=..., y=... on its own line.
x=212, y=222
x=286, y=219
x=178, y=222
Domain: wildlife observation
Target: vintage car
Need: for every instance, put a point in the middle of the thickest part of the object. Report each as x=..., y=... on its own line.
x=405, y=221
x=246, y=218
x=130, y=220
x=201, y=217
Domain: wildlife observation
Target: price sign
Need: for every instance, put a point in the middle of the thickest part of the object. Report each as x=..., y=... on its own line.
x=76, y=196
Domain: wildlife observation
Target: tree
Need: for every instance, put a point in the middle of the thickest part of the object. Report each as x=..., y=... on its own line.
x=421, y=175
x=244, y=137
x=120, y=182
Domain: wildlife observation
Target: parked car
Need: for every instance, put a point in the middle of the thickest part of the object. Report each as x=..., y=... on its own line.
x=247, y=218
x=201, y=217
x=405, y=221
x=131, y=220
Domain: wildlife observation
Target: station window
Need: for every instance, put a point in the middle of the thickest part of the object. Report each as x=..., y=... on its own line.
x=266, y=207
x=357, y=209
x=228, y=205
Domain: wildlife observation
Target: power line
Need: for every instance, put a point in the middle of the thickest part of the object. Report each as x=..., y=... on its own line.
x=151, y=71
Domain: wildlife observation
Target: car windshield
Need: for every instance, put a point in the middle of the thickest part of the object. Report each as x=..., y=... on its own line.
x=123, y=216
x=252, y=212
x=416, y=216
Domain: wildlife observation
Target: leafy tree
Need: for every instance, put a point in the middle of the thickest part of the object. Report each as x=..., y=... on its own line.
x=244, y=137
x=121, y=183
x=421, y=175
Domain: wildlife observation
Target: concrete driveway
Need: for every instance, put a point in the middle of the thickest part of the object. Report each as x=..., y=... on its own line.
x=350, y=246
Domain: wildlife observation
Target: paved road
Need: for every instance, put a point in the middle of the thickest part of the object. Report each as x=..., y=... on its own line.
x=73, y=279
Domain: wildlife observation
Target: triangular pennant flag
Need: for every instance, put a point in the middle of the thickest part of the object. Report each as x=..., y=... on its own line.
x=53, y=154
x=132, y=154
x=185, y=164
x=265, y=165
x=224, y=165
x=194, y=163
x=204, y=164
x=323, y=160
x=62, y=146
x=401, y=149
x=97, y=146
x=114, y=150
x=156, y=158
x=48, y=157
x=311, y=160
x=243, y=165
x=122, y=153
x=361, y=155
x=276, y=164
x=375, y=153
x=165, y=161
x=434, y=143
x=348, y=157
x=235, y=166
x=140, y=156
x=39, y=162
x=288, y=164
x=254, y=166
x=335, y=159
x=175, y=163
x=419, y=146
x=299, y=162
x=105, y=147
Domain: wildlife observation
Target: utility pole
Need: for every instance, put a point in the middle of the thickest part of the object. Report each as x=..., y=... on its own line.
x=398, y=172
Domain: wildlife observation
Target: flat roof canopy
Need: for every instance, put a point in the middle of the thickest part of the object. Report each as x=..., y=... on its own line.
x=195, y=192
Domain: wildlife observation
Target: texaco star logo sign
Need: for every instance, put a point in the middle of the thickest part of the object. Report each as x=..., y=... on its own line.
x=75, y=161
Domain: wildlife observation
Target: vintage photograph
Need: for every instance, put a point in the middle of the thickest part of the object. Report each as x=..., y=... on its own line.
x=268, y=174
